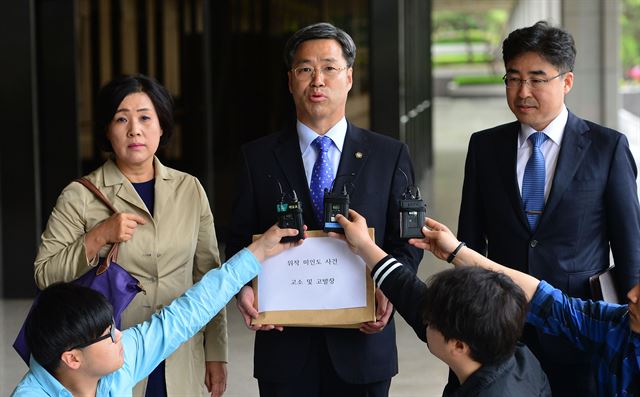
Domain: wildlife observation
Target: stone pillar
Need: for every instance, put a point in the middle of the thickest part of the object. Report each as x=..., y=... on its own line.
x=595, y=26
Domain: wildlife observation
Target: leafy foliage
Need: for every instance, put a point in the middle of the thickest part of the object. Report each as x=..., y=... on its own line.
x=468, y=28
x=630, y=40
x=464, y=27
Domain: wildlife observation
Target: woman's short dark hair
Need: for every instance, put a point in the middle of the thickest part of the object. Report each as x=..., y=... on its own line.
x=114, y=92
x=553, y=44
x=317, y=31
x=65, y=315
x=484, y=309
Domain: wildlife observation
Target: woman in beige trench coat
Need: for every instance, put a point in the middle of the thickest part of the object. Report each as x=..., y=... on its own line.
x=167, y=242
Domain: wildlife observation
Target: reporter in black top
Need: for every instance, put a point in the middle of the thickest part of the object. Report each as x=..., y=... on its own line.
x=470, y=318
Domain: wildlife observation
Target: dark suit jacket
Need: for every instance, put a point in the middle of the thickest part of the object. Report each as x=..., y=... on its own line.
x=376, y=187
x=593, y=203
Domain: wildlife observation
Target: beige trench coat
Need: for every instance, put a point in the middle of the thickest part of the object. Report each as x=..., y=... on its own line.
x=167, y=255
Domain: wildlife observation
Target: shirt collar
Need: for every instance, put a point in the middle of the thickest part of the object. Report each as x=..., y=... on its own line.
x=555, y=129
x=337, y=133
x=46, y=380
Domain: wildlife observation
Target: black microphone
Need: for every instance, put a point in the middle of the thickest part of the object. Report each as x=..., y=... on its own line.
x=412, y=211
x=289, y=213
x=335, y=203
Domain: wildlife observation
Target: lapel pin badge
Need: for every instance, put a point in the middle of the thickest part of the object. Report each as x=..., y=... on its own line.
x=359, y=155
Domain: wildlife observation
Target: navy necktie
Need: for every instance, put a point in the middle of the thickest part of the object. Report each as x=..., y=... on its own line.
x=321, y=176
x=533, y=181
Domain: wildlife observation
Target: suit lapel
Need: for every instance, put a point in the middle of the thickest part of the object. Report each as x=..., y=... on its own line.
x=355, y=152
x=164, y=190
x=572, y=150
x=289, y=159
x=508, y=171
x=121, y=186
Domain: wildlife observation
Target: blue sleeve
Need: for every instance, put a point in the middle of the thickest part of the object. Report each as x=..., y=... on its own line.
x=147, y=344
x=585, y=323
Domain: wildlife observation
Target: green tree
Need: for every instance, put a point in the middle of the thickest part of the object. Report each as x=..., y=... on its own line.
x=630, y=41
x=469, y=27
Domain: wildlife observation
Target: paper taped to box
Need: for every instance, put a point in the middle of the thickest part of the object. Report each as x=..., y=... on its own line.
x=320, y=283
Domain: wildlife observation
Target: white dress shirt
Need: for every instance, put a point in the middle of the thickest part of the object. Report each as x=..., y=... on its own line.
x=306, y=135
x=550, y=149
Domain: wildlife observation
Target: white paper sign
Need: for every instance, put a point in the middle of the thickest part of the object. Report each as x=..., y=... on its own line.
x=322, y=273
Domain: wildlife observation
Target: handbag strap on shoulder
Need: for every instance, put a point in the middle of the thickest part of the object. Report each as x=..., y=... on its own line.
x=89, y=185
x=113, y=252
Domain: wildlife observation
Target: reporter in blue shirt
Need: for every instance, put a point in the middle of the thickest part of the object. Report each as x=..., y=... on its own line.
x=76, y=349
x=610, y=333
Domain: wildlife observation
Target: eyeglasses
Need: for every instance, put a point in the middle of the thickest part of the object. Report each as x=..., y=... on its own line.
x=111, y=334
x=305, y=73
x=516, y=82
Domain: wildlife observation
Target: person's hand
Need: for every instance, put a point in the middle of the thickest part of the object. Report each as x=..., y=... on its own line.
x=215, y=377
x=437, y=238
x=356, y=233
x=269, y=243
x=118, y=228
x=244, y=302
x=384, y=308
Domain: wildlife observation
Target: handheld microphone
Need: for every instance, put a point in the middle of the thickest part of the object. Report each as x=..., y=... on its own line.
x=412, y=211
x=289, y=213
x=335, y=203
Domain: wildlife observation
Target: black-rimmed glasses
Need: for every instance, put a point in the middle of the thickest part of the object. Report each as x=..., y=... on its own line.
x=111, y=334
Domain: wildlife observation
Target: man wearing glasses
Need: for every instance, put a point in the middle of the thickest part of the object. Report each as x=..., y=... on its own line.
x=320, y=149
x=550, y=193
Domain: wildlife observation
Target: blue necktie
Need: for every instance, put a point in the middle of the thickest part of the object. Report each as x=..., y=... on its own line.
x=533, y=181
x=321, y=176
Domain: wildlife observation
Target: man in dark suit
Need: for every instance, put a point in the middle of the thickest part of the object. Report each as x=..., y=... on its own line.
x=322, y=146
x=549, y=194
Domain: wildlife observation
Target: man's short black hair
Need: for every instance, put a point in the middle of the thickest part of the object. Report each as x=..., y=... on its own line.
x=65, y=315
x=553, y=44
x=484, y=309
x=114, y=92
x=317, y=31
